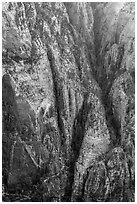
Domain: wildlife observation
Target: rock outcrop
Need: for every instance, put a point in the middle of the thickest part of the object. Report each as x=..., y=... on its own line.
x=68, y=100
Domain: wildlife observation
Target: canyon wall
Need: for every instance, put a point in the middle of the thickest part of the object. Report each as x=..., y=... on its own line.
x=68, y=101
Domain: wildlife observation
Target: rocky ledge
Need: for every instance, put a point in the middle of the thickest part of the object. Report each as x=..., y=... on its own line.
x=68, y=101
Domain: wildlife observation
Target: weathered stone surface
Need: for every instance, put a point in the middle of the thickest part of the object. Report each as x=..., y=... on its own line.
x=109, y=179
x=115, y=37
x=68, y=99
x=96, y=140
x=22, y=165
x=124, y=108
x=16, y=36
x=19, y=119
x=11, y=124
x=116, y=77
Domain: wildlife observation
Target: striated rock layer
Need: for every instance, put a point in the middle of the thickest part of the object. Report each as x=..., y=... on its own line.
x=68, y=101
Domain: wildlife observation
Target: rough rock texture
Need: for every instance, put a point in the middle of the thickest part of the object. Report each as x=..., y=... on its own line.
x=68, y=101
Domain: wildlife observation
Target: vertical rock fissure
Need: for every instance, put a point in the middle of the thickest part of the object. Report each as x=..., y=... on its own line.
x=77, y=138
x=74, y=64
x=56, y=92
x=59, y=120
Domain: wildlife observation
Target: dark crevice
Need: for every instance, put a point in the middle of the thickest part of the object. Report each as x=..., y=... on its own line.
x=112, y=122
x=105, y=83
x=95, y=59
x=80, y=120
x=79, y=127
x=77, y=138
x=57, y=93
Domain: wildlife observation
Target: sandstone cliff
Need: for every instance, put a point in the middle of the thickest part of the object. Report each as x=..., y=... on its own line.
x=68, y=101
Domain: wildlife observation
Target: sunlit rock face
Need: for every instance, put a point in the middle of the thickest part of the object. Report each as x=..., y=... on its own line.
x=68, y=100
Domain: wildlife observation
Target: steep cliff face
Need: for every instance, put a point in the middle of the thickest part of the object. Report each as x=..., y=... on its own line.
x=68, y=100
x=111, y=178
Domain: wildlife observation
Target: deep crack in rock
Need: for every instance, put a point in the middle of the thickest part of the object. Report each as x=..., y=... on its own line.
x=68, y=101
